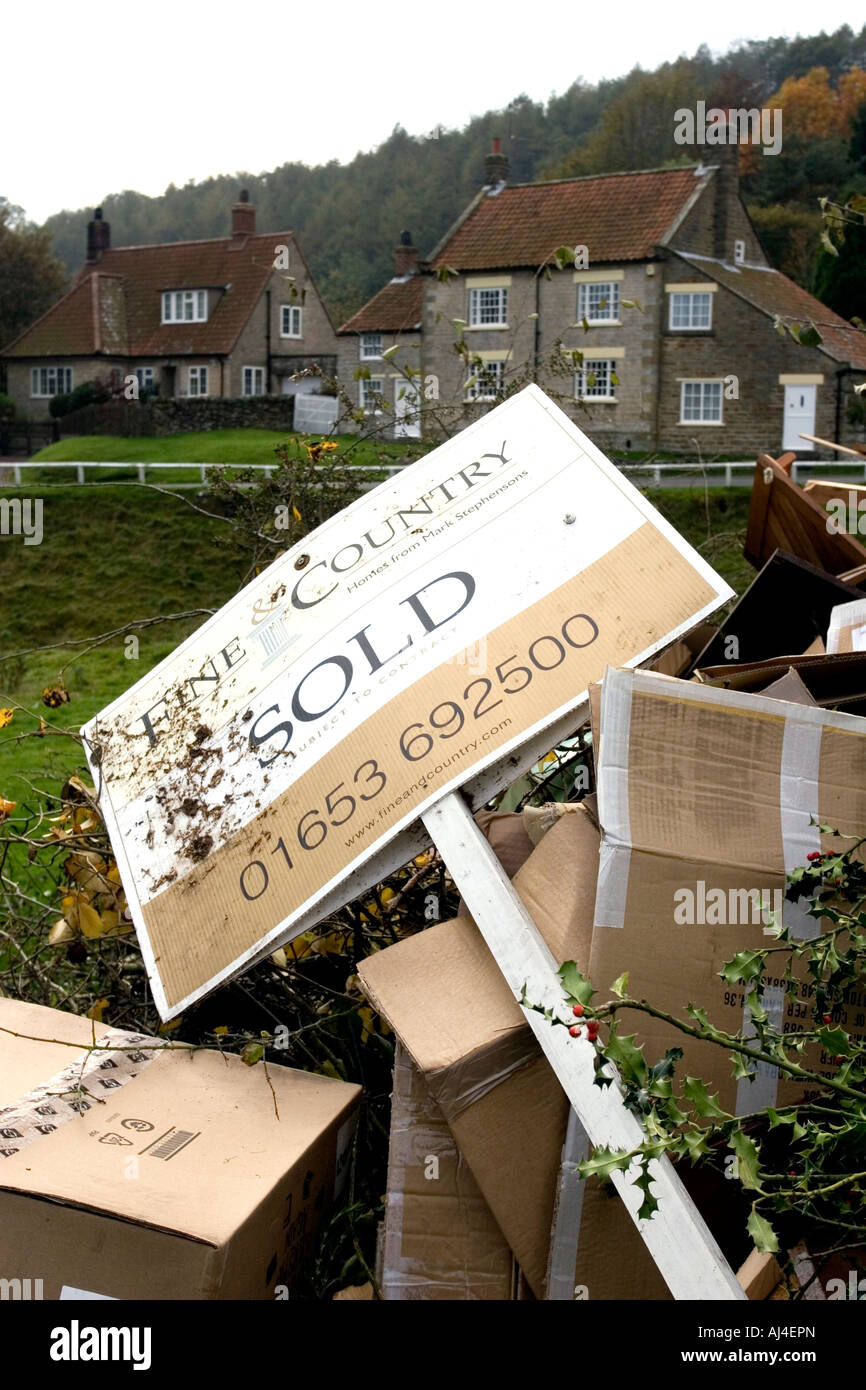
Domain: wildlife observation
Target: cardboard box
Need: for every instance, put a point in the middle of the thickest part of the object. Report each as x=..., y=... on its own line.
x=705, y=798
x=785, y=608
x=447, y=1000
x=159, y=1175
x=784, y=517
x=847, y=630
x=833, y=682
x=441, y=1240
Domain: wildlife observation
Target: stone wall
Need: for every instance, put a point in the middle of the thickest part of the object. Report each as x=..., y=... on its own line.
x=178, y=416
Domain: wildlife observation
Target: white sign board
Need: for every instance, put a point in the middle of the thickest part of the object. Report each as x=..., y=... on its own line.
x=431, y=629
x=315, y=414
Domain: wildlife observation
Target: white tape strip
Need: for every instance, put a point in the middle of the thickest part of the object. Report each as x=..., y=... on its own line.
x=613, y=803
x=80, y=1086
x=847, y=615
x=567, y=1212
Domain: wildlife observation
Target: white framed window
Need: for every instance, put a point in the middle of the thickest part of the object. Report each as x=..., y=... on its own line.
x=485, y=382
x=739, y=252
x=488, y=308
x=371, y=346
x=184, y=306
x=144, y=376
x=290, y=321
x=370, y=388
x=50, y=381
x=197, y=381
x=691, y=309
x=253, y=381
x=596, y=380
x=598, y=302
x=701, y=402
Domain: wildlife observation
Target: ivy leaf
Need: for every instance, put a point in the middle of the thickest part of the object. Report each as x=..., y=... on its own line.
x=748, y=1166
x=576, y=986
x=620, y=985
x=705, y=1105
x=762, y=1233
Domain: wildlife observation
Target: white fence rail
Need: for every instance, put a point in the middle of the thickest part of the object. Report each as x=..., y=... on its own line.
x=718, y=474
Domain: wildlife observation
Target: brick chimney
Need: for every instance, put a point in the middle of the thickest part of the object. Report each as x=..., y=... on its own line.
x=726, y=159
x=98, y=237
x=243, y=216
x=405, y=255
x=495, y=164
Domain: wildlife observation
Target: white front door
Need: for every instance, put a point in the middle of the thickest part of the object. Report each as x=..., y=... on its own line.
x=407, y=402
x=799, y=417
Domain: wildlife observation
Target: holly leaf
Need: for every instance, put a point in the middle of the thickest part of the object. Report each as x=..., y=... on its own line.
x=748, y=1166
x=604, y=1161
x=741, y=1068
x=762, y=1233
x=705, y=1105
x=835, y=1041
x=576, y=986
x=649, y=1204
x=696, y=1143
x=745, y=965
x=629, y=1058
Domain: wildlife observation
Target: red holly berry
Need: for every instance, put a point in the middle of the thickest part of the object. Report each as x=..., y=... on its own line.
x=592, y=1029
x=828, y=1018
x=816, y=854
x=578, y=1011
x=838, y=1059
x=575, y=1032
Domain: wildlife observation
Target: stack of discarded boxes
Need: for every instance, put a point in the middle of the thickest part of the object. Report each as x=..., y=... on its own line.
x=713, y=770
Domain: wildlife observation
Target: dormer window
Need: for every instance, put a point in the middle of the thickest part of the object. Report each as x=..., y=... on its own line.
x=184, y=306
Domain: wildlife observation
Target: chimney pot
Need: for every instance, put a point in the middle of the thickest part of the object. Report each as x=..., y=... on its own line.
x=98, y=237
x=243, y=217
x=405, y=256
x=495, y=164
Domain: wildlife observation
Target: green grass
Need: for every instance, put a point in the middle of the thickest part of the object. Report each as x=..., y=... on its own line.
x=234, y=448
x=110, y=554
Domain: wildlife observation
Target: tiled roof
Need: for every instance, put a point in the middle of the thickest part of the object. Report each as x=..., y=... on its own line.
x=619, y=217
x=773, y=293
x=116, y=306
x=395, y=309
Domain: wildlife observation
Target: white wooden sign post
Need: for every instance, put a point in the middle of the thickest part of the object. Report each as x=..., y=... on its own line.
x=438, y=634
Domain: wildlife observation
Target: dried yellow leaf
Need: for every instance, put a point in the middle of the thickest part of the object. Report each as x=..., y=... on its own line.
x=97, y=1009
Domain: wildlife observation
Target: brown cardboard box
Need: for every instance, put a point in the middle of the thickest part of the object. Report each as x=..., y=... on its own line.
x=705, y=798
x=834, y=681
x=163, y=1175
x=446, y=999
x=441, y=1239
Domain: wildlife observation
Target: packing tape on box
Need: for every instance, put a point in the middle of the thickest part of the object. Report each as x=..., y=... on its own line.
x=798, y=805
x=567, y=1214
x=460, y=1085
x=114, y=1059
x=457, y=1087
x=843, y=617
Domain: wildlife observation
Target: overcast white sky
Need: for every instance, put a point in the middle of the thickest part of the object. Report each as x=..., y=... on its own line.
x=96, y=98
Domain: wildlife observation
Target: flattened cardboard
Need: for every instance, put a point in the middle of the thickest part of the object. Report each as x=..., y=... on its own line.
x=183, y=1183
x=441, y=1239
x=785, y=608
x=705, y=797
x=833, y=682
x=784, y=517
x=446, y=999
